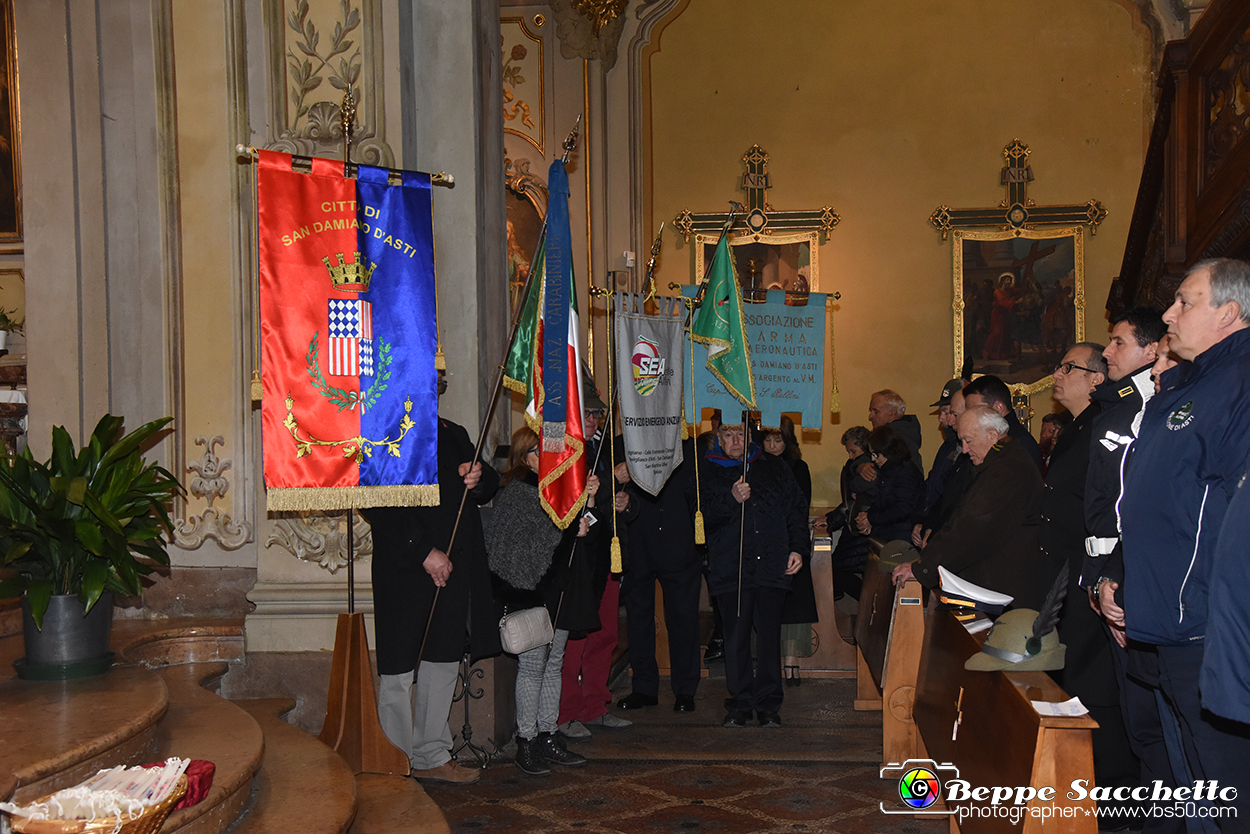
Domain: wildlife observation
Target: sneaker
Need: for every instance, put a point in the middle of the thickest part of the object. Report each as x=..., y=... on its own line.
x=550, y=747
x=574, y=731
x=736, y=718
x=608, y=721
x=449, y=773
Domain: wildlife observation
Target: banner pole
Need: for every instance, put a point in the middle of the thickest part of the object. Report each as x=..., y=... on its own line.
x=570, y=142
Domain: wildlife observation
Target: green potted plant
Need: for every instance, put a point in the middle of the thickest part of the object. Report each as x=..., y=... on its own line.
x=8, y=325
x=76, y=529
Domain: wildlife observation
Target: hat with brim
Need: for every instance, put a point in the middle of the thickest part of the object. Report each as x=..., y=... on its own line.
x=1007, y=646
x=898, y=552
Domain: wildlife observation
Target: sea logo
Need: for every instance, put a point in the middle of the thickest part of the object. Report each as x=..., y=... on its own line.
x=649, y=366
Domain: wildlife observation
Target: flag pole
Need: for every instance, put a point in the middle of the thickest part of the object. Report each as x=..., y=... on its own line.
x=570, y=142
x=742, y=527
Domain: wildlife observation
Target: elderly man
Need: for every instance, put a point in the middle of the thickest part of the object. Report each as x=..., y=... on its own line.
x=756, y=535
x=1186, y=462
x=991, y=539
x=991, y=391
x=887, y=408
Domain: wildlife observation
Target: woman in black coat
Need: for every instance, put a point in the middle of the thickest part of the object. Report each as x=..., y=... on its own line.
x=798, y=612
x=899, y=489
x=536, y=564
x=851, y=550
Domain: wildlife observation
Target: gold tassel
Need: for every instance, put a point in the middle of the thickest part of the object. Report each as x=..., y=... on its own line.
x=256, y=388
x=618, y=565
x=699, y=536
x=440, y=361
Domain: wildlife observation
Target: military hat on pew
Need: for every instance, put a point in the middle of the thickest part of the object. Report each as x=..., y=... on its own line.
x=967, y=598
x=1023, y=639
x=897, y=552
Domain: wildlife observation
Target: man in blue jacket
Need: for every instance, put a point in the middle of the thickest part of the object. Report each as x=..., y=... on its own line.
x=1185, y=465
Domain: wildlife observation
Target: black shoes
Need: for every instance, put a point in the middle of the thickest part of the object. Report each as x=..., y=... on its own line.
x=715, y=650
x=736, y=718
x=792, y=676
x=551, y=748
x=637, y=700
x=683, y=703
x=769, y=720
x=529, y=759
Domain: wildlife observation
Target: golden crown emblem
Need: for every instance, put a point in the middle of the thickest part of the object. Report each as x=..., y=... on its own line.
x=350, y=277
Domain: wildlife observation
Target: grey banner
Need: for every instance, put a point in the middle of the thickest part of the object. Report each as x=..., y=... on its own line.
x=649, y=372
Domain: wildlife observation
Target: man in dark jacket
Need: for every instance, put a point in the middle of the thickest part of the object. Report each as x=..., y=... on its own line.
x=756, y=535
x=1186, y=463
x=661, y=549
x=411, y=560
x=991, y=540
x=887, y=408
x=1131, y=351
x=1088, y=672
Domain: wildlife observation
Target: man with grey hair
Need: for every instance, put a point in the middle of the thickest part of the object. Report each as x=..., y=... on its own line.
x=991, y=539
x=1187, y=461
x=887, y=408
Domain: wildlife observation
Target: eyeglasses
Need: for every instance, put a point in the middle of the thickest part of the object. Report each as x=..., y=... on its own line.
x=597, y=413
x=1069, y=367
x=533, y=451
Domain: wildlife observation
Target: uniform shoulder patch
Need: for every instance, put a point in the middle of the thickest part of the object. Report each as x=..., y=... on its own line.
x=1125, y=391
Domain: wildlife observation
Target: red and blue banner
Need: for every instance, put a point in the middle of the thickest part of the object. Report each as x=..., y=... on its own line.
x=348, y=337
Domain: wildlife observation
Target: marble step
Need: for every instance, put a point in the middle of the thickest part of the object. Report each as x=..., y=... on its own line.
x=200, y=724
x=303, y=787
x=388, y=803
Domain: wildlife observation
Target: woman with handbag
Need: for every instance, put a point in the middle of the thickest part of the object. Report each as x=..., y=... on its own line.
x=535, y=565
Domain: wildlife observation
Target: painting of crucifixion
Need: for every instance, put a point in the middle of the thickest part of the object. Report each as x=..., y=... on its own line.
x=1019, y=302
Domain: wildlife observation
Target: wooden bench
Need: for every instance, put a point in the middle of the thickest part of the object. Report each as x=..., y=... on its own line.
x=889, y=635
x=984, y=724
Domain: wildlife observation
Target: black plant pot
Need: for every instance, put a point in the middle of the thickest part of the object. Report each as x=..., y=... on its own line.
x=71, y=644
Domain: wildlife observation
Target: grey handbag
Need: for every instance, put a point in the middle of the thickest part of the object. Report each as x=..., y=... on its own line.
x=521, y=631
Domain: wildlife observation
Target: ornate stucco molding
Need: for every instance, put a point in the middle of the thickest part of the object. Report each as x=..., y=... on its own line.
x=322, y=539
x=589, y=28
x=210, y=483
x=314, y=56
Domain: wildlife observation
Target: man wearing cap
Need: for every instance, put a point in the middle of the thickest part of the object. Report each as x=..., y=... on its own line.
x=943, y=460
x=991, y=540
x=1186, y=463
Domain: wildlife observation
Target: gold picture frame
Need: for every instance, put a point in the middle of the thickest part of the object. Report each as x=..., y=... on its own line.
x=10, y=134
x=1019, y=302
x=778, y=262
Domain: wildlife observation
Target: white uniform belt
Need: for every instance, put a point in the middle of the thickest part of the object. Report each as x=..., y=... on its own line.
x=1096, y=546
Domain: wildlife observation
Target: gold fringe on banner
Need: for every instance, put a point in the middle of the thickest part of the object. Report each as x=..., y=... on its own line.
x=294, y=499
x=835, y=399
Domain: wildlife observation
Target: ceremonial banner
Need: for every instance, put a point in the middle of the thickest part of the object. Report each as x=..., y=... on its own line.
x=350, y=402
x=545, y=360
x=718, y=324
x=649, y=358
x=787, y=361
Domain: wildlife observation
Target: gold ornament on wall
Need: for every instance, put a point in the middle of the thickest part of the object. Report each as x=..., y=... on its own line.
x=599, y=12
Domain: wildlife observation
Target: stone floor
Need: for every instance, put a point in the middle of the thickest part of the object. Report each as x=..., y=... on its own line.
x=683, y=772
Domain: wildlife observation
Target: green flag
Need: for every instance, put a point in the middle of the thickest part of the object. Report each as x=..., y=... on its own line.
x=519, y=366
x=718, y=324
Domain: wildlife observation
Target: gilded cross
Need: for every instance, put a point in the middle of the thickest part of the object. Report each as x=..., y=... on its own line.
x=760, y=217
x=1018, y=211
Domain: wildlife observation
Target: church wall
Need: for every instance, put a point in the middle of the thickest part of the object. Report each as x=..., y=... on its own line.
x=885, y=119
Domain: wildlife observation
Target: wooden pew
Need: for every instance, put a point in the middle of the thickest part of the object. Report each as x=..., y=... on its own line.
x=984, y=723
x=889, y=635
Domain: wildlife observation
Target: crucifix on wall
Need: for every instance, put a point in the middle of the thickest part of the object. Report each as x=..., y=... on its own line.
x=772, y=249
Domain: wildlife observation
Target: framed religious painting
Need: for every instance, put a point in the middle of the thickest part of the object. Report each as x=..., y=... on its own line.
x=767, y=262
x=526, y=200
x=10, y=150
x=1019, y=303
